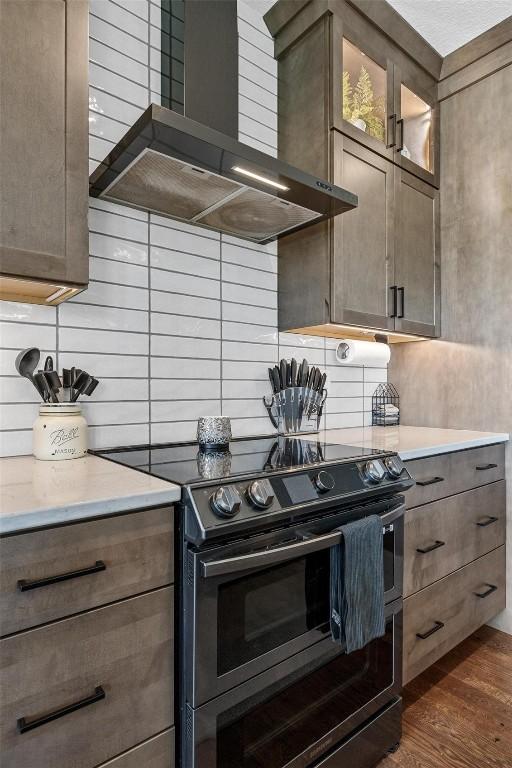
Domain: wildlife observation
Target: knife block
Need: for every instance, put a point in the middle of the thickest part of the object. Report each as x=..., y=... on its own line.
x=295, y=410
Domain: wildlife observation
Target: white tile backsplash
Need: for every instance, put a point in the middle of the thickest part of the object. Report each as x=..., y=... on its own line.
x=178, y=321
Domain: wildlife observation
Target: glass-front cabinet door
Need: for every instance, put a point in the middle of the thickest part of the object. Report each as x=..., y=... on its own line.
x=417, y=127
x=366, y=93
x=388, y=106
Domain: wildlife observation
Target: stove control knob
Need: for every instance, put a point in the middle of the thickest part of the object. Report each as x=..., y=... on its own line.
x=260, y=494
x=226, y=502
x=324, y=482
x=394, y=466
x=374, y=471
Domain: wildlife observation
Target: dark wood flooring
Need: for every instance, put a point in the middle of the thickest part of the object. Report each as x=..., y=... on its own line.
x=458, y=714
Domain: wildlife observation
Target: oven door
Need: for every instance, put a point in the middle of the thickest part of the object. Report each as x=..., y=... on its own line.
x=291, y=715
x=253, y=604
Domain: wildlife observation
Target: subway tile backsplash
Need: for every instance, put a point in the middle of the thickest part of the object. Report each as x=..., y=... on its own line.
x=178, y=321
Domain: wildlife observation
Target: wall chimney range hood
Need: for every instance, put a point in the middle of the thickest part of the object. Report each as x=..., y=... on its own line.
x=191, y=166
x=174, y=166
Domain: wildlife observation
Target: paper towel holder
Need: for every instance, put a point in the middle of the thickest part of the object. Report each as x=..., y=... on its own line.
x=380, y=338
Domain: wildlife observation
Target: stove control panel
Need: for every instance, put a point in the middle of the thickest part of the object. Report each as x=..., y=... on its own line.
x=257, y=502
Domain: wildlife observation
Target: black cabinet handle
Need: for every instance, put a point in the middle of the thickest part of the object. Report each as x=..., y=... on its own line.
x=430, y=481
x=437, y=626
x=394, y=290
x=25, y=725
x=24, y=585
x=437, y=545
x=401, y=124
x=492, y=588
x=401, y=291
x=482, y=467
x=392, y=118
x=490, y=520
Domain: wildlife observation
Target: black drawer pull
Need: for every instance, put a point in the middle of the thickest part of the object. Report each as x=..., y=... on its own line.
x=490, y=520
x=24, y=585
x=437, y=626
x=482, y=467
x=431, y=481
x=492, y=588
x=425, y=550
x=24, y=725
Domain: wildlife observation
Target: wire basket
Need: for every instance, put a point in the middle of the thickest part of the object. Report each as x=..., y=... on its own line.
x=385, y=406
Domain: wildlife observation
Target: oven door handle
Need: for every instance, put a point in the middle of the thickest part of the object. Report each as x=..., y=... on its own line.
x=273, y=556
x=266, y=557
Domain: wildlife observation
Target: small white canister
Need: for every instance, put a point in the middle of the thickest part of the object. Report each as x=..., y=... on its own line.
x=59, y=432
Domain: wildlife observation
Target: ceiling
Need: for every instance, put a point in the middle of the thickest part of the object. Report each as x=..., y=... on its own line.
x=448, y=24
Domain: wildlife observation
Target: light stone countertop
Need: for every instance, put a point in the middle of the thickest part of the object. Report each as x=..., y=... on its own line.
x=40, y=493
x=412, y=442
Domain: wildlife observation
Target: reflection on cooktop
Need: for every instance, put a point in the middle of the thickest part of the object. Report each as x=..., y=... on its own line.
x=186, y=464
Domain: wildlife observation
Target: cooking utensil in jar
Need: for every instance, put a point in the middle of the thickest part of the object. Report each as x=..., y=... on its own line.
x=91, y=387
x=26, y=363
x=81, y=383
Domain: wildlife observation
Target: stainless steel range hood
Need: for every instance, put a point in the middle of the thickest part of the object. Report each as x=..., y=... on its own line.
x=174, y=166
x=192, y=167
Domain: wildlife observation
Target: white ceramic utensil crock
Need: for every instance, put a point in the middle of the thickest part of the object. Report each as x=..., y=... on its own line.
x=59, y=432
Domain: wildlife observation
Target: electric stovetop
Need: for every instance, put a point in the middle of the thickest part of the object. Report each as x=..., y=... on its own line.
x=187, y=464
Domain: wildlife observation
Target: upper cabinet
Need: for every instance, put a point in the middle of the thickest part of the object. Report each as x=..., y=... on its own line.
x=44, y=251
x=357, y=105
x=388, y=102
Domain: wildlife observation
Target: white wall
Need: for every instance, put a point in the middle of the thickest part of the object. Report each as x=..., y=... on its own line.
x=178, y=322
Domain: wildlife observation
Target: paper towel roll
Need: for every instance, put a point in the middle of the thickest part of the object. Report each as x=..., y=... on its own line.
x=355, y=352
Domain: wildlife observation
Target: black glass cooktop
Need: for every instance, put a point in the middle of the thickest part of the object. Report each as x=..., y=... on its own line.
x=186, y=463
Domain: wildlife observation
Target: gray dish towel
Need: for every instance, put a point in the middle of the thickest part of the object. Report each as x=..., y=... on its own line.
x=357, y=584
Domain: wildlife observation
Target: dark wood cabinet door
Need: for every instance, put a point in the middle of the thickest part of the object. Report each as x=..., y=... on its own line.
x=44, y=139
x=363, y=239
x=417, y=267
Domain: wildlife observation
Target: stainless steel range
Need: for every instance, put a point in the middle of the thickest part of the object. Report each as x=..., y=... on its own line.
x=262, y=684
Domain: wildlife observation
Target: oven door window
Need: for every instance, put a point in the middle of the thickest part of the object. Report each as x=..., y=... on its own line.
x=274, y=732
x=267, y=608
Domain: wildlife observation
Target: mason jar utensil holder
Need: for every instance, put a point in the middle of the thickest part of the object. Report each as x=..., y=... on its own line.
x=59, y=432
x=295, y=410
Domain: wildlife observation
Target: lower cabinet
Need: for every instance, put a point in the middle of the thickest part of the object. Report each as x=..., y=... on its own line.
x=78, y=691
x=87, y=654
x=154, y=753
x=441, y=616
x=445, y=535
x=454, y=551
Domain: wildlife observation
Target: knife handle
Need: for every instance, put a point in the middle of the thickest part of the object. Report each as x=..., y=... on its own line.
x=293, y=374
x=283, y=373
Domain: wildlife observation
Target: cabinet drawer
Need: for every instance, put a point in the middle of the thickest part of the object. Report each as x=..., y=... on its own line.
x=450, y=610
x=440, y=476
x=98, y=562
x=123, y=650
x=154, y=753
x=444, y=535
